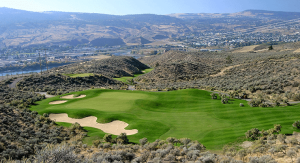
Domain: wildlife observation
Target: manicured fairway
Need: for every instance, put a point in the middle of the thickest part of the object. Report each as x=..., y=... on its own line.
x=79, y=75
x=184, y=113
x=126, y=79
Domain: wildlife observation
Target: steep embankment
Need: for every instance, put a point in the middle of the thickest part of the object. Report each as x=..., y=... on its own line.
x=111, y=67
x=180, y=66
x=271, y=72
x=58, y=84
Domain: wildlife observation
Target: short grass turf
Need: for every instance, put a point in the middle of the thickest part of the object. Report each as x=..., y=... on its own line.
x=79, y=75
x=126, y=79
x=184, y=113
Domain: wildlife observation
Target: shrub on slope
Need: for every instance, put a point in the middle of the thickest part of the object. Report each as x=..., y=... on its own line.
x=59, y=84
x=111, y=67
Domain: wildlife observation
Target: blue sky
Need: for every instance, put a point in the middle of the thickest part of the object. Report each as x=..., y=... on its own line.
x=123, y=7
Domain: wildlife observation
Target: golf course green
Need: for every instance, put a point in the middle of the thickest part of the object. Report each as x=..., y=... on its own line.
x=127, y=79
x=187, y=113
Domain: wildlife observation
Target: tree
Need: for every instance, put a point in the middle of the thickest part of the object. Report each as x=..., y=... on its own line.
x=171, y=140
x=243, y=95
x=228, y=60
x=276, y=99
x=253, y=134
x=96, y=143
x=107, y=138
x=224, y=100
x=271, y=47
x=277, y=127
x=122, y=139
x=143, y=141
x=185, y=141
x=286, y=102
x=296, y=124
x=213, y=96
x=75, y=126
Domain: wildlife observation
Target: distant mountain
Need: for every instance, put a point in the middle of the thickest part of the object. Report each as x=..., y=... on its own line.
x=26, y=28
x=258, y=14
x=8, y=15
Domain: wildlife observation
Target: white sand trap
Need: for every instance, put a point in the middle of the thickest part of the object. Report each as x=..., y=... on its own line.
x=58, y=102
x=115, y=127
x=72, y=96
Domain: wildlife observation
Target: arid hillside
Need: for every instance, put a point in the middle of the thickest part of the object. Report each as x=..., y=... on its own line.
x=111, y=67
x=269, y=72
x=99, y=75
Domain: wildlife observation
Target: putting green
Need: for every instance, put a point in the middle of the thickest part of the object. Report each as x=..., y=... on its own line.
x=127, y=79
x=184, y=113
x=109, y=101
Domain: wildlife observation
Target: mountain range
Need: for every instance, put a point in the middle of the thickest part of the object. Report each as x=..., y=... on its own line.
x=26, y=28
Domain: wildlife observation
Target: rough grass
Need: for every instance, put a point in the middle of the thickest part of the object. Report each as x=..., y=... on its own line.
x=79, y=75
x=127, y=79
x=184, y=113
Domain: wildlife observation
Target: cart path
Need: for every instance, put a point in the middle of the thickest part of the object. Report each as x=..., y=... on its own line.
x=223, y=70
x=14, y=83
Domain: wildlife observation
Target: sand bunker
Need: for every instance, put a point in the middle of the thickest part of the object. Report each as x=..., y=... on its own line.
x=72, y=96
x=114, y=127
x=58, y=102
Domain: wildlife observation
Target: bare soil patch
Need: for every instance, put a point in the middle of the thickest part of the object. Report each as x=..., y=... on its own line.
x=246, y=144
x=223, y=70
x=99, y=57
x=246, y=49
x=57, y=102
x=72, y=96
x=115, y=127
x=297, y=51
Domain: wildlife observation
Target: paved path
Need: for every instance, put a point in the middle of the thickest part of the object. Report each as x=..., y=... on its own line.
x=14, y=83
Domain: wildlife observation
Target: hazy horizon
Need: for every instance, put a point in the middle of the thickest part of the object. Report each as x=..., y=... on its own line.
x=119, y=7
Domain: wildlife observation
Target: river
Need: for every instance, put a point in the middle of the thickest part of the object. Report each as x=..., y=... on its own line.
x=120, y=53
x=20, y=72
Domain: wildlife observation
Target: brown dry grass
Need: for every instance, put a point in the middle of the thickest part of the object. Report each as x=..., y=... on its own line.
x=99, y=57
x=245, y=49
x=222, y=72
